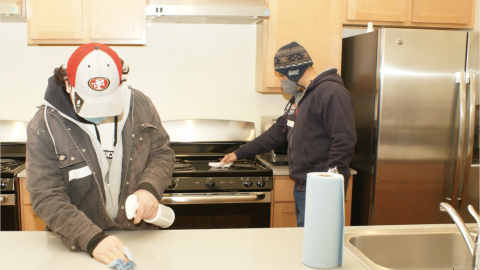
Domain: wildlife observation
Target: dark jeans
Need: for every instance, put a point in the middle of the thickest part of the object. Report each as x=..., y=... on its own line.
x=300, y=206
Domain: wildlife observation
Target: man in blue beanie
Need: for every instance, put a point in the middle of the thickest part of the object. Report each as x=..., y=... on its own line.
x=318, y=123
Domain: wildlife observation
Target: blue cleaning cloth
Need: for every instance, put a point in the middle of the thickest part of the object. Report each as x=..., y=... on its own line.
x=118, y=263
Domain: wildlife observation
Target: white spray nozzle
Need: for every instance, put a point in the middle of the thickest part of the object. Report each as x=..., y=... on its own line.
x=131, y=206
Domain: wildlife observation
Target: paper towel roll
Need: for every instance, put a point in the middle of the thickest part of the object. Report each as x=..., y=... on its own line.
x=324, y=220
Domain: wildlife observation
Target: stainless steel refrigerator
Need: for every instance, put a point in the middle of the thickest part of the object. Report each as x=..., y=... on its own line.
x=415, y=95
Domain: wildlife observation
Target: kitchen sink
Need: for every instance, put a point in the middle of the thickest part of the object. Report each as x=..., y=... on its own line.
x=410, y=248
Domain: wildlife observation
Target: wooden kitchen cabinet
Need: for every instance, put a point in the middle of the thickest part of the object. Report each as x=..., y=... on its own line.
x=30, y=221
x=283, y=206
x=376, y=10
x=456, y=14
x=314, y=24
x=284, y=214
x=84, y=21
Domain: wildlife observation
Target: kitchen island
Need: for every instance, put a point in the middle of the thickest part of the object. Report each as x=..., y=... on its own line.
x=225, y=249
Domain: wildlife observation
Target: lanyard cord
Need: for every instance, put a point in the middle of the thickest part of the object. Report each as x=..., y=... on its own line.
x=287, y=109
x=114, y=132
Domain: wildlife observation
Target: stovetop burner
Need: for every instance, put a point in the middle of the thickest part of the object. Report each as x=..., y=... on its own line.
x=8, y=162
x=181, y=166
x=199, y=167
x=242, y=164
x=11, y=167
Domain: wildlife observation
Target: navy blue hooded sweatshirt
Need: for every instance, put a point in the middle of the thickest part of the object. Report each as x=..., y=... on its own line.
x=320, y=131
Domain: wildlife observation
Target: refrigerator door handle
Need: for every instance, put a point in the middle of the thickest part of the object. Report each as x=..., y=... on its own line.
x=460, y=166
x=462, y=192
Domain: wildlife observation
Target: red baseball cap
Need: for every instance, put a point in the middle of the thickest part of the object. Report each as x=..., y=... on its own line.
x=94, y=70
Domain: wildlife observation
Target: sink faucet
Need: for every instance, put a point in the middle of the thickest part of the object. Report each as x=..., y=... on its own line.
x=472, y=243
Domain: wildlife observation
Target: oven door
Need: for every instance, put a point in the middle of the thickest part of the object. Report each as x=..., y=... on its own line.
x=10, y=220
x=219, y=210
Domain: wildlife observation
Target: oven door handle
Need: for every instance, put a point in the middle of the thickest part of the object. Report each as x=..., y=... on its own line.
x=216, y=198
x=7, y=199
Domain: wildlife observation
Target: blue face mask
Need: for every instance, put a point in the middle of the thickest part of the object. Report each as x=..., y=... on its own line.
x=96, y=120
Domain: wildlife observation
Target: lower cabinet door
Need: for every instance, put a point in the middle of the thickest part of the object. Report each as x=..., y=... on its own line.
x=284, y=215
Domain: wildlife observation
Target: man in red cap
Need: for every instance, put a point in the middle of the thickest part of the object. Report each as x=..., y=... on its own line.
x=94, y=142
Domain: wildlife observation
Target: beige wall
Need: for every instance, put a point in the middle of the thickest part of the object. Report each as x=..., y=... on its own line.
x=189, y=71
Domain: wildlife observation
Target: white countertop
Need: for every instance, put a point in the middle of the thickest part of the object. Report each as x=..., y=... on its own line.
x=227, y=249
x=283, y=169
x=22, y=173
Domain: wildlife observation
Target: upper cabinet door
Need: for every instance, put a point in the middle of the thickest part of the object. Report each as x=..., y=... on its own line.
x=118, y=19
x=442, y=11
x=314, y=24
x=60, y=19
x=376, y=10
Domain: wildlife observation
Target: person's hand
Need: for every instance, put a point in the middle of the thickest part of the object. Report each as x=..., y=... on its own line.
x=109, y=249
x=148, y=205
x=229, y=158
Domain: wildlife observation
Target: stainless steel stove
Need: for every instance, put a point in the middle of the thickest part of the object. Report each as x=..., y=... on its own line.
x=193, y=174
x=10, y=167
x=12, y=161
x=206, y=197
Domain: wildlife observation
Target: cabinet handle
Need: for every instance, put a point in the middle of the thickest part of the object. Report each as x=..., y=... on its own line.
x=3, y=199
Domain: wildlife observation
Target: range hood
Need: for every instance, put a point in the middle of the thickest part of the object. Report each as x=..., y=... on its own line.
x=207, y=11
x=12, y=12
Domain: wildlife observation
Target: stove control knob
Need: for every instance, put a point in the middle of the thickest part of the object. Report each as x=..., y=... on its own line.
x=210, y=183
x=3, y=185
x=173, y=185
x=260, y=182
x=247, y=182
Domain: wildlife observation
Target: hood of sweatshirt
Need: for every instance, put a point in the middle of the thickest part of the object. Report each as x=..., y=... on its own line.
x=327, y=75
x=57, y=97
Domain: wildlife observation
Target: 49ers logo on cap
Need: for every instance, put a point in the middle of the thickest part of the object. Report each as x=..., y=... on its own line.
x=99, y=83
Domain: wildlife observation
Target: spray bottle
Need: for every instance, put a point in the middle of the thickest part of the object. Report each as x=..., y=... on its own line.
x=164, y=218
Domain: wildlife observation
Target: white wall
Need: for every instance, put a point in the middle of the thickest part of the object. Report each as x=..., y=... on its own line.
x=189, y=71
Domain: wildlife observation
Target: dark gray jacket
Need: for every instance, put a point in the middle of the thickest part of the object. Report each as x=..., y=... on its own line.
x=323, y=134
x=75, y=209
